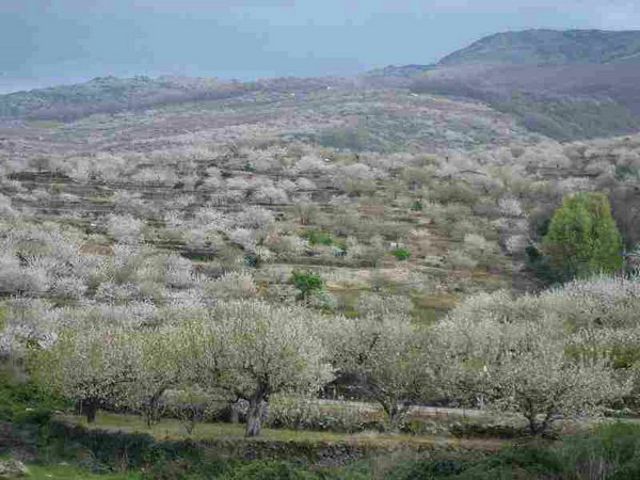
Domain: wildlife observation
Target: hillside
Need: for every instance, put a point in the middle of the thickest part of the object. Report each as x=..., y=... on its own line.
x=112, y=95
x=567, y=85
x=364, y=118
x=550, y=47
x=568, y=102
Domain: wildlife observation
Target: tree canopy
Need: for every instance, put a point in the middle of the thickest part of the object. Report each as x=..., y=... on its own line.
x=583, y=238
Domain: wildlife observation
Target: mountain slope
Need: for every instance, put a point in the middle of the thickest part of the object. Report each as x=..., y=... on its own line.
x=111, y=95
x=550, y=47
x=567, y=102
x=568, y=85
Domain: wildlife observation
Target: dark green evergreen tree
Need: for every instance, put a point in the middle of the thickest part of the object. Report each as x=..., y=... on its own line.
x=583, y=238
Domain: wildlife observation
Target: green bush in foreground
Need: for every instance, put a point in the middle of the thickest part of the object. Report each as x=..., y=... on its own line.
x=22, y=402
x=610, y=451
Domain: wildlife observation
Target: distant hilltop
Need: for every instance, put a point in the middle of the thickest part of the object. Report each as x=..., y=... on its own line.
x=550, y=47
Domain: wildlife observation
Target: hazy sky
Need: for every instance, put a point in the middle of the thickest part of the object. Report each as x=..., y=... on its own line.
x=53, y=41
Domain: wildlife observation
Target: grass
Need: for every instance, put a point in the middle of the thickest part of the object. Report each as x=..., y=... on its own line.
x=63, y=472
x=440, y=301
x=171, y=430
x=100, y=200
x=45, y=124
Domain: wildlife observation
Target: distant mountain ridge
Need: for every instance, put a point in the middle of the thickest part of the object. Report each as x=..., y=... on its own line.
x=567, y=85
x=550, y=47
x=400, y=71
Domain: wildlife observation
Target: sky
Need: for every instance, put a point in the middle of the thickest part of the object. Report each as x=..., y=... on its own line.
x=47, y=42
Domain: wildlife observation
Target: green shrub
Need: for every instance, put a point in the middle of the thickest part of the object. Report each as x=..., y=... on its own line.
x=401, y=254
x=534, y=459
x=615, y=446
x=427, y=469
x=611, y=450
x=187, y=468
x=318, y=237
x=626, y=172
x=24, y=402
x=307, y=283
x=268, y=471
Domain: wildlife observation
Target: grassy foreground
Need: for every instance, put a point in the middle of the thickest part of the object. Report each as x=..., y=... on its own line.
x=611, y=452
x=173, y=430
x=120, y=447
x=64, y=472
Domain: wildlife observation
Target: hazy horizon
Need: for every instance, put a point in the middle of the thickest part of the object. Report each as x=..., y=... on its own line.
x=49, y=42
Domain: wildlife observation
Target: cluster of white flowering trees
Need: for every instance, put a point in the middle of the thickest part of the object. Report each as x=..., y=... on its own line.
x=564, y=352
x=523, y=367
x=248, y=349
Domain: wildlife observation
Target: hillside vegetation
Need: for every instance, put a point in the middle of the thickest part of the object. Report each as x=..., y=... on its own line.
x=111, y=95
x=354, y=119
x=562, y=102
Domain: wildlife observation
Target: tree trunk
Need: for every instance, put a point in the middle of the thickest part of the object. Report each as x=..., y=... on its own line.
x=151, y=409
x=237, y=410
x=255, y=413
x=535, y=428
x=89, y=407
x=395, y=414
x=235, y=415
